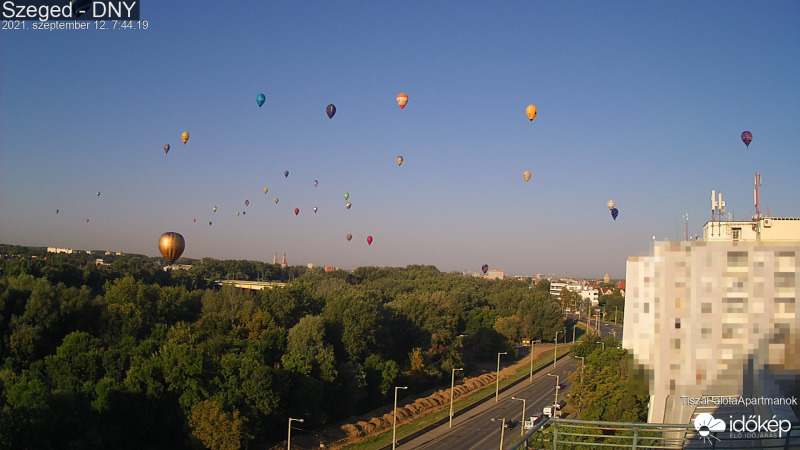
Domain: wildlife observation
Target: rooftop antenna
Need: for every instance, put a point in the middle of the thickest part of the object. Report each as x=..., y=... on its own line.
x=757, y=202
x=717, y=207
x=686, y=234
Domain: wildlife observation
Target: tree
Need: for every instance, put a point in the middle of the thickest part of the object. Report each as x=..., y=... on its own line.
x=216, y=428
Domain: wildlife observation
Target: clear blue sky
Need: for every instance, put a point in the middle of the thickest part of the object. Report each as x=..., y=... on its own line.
x=640, y=102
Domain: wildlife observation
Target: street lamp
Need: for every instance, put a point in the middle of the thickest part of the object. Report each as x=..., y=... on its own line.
x=555, y=405
x=538, y=341
x=522, y=421
x=582, y=361
x=502, y=430
x=394, y=423
x=452, y=385
x=289, y=437
x=497, y=389
x=555, y=350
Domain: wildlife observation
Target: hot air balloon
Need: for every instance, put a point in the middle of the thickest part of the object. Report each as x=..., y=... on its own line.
x=369, y=240
x=247, y=203
x=349, y=236
x=747, y=138
x=611, y=204
x=330, y=110
x=276, y=200
x=244, y=213
x=316, y=183
x=614, y=213
x=348, y=205
x=194, y=220
x=315, y=210
x=166, y=148
x=260, y=99
x=209, y=223
x=286, y=174
x=402, y=99
x=87, y=220
x=214, y=209
x=346, y=196
x=530, y=111
x=185, y=136
x=237, y=213
x=265, y=191
x=399, y=160
x=526, y=175
x=171, y=245
x=98, y=193
x=296, y=211
x=56, y=211
x=485, y=268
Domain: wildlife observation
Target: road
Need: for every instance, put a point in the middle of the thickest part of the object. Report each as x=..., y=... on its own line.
x=475, y=429
x=605, y=329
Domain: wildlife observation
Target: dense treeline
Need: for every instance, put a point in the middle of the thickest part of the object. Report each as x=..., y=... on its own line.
x=127, y=355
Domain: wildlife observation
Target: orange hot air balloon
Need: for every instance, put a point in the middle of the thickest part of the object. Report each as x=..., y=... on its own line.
x=185, y=136
x=526, y=175
x=369, y=240
x=171, y=245
x=349, y=236
x=402, y=99
x=530, y=111
x=399, y=160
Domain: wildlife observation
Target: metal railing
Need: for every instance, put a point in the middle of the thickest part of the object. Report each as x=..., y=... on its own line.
x=560, y=434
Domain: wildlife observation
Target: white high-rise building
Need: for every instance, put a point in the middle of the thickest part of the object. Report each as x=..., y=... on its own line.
x=718, y=316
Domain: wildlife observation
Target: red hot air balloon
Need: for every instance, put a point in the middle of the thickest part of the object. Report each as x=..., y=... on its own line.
x=296, y=211
x=369, y=240
x=747, y=138
x=349, y=236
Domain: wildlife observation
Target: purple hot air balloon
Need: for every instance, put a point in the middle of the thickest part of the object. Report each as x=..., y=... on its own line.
x=747, y=138
x=485, y=268
x=614, y=213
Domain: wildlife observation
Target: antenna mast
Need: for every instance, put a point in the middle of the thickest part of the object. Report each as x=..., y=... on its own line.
x=757, y=205
x=686, y=233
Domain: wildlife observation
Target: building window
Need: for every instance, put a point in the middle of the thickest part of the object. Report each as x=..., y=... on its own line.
x=737, y=234
x=647, y=308
x=678, y=324
x=705, y=308
x=676, y=344
x=705, y=332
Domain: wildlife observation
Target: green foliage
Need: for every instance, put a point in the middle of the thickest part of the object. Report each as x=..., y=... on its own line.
x=128, y=355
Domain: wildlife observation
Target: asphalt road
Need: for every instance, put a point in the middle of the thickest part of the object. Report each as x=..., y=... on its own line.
x=604, y=328
x=475, y=429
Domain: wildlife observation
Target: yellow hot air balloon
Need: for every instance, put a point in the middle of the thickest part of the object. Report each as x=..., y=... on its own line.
x=265, y=191
x=399, y=160
x=402, y=99
x=611, y=204
x=185, y=136
x=531, y=112
x=526, y=175
x=171, y=245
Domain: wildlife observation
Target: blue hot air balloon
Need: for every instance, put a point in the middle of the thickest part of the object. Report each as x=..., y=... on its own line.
x=286, y=173
x=614, y=213
x=330, y=110
x=485, y=268
x=260, y=99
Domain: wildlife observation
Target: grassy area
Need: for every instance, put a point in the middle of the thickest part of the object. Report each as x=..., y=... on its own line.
x=385, y=438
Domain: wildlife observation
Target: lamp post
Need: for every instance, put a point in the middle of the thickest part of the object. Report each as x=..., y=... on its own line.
x=533, y=342
x=555, y=350
x=615, y=316
x=497, y=389
x=522, y=421
x=555, y=405
x=394, y=423
x=289, y=437
x=582, y=361
x=502, y=430
x=452, y=385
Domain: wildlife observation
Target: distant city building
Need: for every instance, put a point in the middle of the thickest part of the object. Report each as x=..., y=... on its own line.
x=495, y=274
x=283, y=261
x=606, y=278
x=718, y=317
x=68, y=251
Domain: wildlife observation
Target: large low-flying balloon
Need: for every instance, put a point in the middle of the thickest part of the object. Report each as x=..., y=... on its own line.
x=349, y=236
x=614, y=213
x=185, y=136
x=611, y=204
x=369, y=240
x=402, y=99
x=526, y=175
x=171, y=245
x=166, y=148
x=747, y=138
x=247, y=203
x=330, y=110
x=348, y=205
x=399, y=160
x=296, y=211
x=260, y=99
x=530, y=111
x=286, y=174
x=485, y=268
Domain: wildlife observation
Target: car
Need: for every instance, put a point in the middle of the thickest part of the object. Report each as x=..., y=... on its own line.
x=510, y=424
x=533, y=420
x=560, y=386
